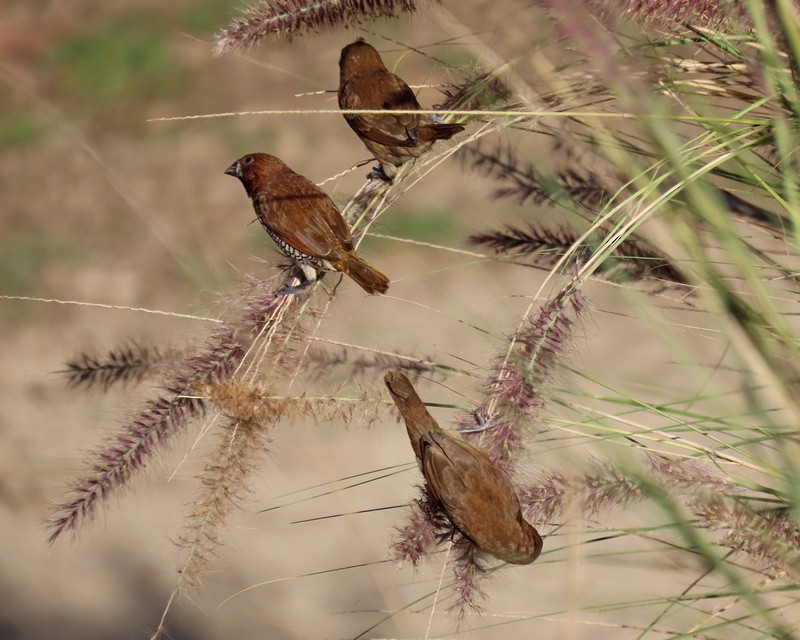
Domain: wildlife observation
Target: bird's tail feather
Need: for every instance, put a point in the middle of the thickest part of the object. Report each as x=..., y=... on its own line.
x=442, y=131
x=419, y=421
x=367, y=277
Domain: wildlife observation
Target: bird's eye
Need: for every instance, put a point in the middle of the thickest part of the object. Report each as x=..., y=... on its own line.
x=248, y=160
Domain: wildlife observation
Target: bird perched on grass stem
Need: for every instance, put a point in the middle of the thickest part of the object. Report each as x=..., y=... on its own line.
x=303, y=221
x=475, y=493
x=393, y=138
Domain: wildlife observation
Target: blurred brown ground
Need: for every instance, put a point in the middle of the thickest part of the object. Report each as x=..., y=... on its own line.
x=99, y=205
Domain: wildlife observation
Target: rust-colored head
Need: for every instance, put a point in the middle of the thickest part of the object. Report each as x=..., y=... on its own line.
x=254, y=169
x=400, y=386
x=359, y=57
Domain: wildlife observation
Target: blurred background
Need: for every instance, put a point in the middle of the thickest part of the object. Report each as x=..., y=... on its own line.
x=104, y=207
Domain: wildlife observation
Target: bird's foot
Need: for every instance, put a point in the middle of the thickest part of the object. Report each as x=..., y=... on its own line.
x=293, y=289
x=378, y=173
x=482, y=423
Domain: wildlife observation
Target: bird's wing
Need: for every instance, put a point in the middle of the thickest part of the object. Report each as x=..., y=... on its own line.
x=302, y=215
x=382, y=90
x=442, y=473
x=469, y=486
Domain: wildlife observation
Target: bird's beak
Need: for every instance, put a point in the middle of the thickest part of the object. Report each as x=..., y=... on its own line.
x=235, y=170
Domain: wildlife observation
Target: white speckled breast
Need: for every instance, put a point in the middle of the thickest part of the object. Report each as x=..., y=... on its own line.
x=299, y=257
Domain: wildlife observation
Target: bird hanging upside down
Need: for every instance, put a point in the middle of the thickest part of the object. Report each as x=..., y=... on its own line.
x=393, y=138
x=303, y=221
x=475, y=493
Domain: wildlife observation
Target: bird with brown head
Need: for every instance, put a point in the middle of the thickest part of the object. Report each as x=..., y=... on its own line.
x=303, y=221
x=477, y=496
x=393, y=138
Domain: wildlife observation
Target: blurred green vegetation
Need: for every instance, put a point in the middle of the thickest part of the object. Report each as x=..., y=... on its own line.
x=24, y=258
x=18, y=127
x=434, y=225
x=204, y=18
x=120, y=60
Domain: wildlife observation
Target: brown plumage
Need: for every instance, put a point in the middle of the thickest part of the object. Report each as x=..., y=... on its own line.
x=365, y=83
x=303, y=221
x=475, y=493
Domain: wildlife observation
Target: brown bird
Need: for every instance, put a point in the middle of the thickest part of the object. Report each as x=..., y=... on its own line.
x=475, y=493
x=365, y=83
x=303, y=221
